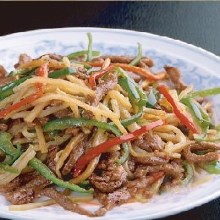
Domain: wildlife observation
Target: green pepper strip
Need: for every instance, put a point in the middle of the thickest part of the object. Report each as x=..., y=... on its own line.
x=131, y=120
x=5, y=168
x=205, y=93
x=138, y=57
x=49, y=175
x=136, y=95
x=190, y=173
x=201, y=117
x=7, y=89
x=63, y=123
x=7, y=147
x=212, y=167
x=63, y=72
x=82, y=53
x=89, y=52
x=23, y=72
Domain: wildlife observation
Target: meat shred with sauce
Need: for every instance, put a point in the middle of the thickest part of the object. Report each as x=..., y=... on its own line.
x=151, y=163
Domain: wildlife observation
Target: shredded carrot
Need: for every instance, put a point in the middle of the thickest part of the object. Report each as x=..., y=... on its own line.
x=18, y=105
x=138, y=70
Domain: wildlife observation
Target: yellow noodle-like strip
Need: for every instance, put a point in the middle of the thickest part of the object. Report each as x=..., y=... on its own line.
x=122, y=100
x=126, y=114
x=115, y=107
x=179, y=142
x=8, y=100
x=41, y=139
x=71, y=100
x=76, y=80
x=66, y=152
x=21, y=114
x=51, y=110
x=138, y=154
x=75, y=110
x=59, y=140
x=20, y=95
x=48, y=202
x=116, y=121
x=38, y=62
x=29, y=206
x=59, y=83
x=34, y=113
x=98, y=139
x=19, y=164
x=28, y=134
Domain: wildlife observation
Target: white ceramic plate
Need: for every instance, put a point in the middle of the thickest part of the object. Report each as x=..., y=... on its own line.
x=198, y=66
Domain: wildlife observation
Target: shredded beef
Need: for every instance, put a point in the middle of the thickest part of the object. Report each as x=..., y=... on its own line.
x=63, y=113
x=125, y=59
x=103, y=87
x=18, y=182
x=175, y=77
x=6, y=80
x=65, y=202
x=140, y=186
x=3, y=72
x=211, y=155
x=23, y=59
x=81, y=74
x=50, y=161
x=29, y=191
x=149, y=142
x=75, y=154
x=108, y=176
x=3, y=127
x=55, y=56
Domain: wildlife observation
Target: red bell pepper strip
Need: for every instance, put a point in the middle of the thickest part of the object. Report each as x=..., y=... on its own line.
x=18, y=105
x=95, y=151
x=176, y=109
x=95, y=75
x=43, y=70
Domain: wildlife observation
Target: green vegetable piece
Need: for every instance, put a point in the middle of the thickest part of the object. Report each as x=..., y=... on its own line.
x=138, y=57
x=136, y=95
x=49, y=175
x=204, y=93
x=131, y=120
x=190, y=173
x=5, y=168
x=201, y=117
x=82, y=53
x=63, y=123
x=212, y=167
x=23, y=72
x=89, y=52
x=7, y=89
x=63, y=72
x=7, y=147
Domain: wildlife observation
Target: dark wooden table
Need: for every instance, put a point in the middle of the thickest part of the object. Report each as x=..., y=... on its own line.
x=197, y=23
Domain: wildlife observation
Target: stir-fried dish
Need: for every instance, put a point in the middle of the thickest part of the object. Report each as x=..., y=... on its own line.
x=106, y=127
